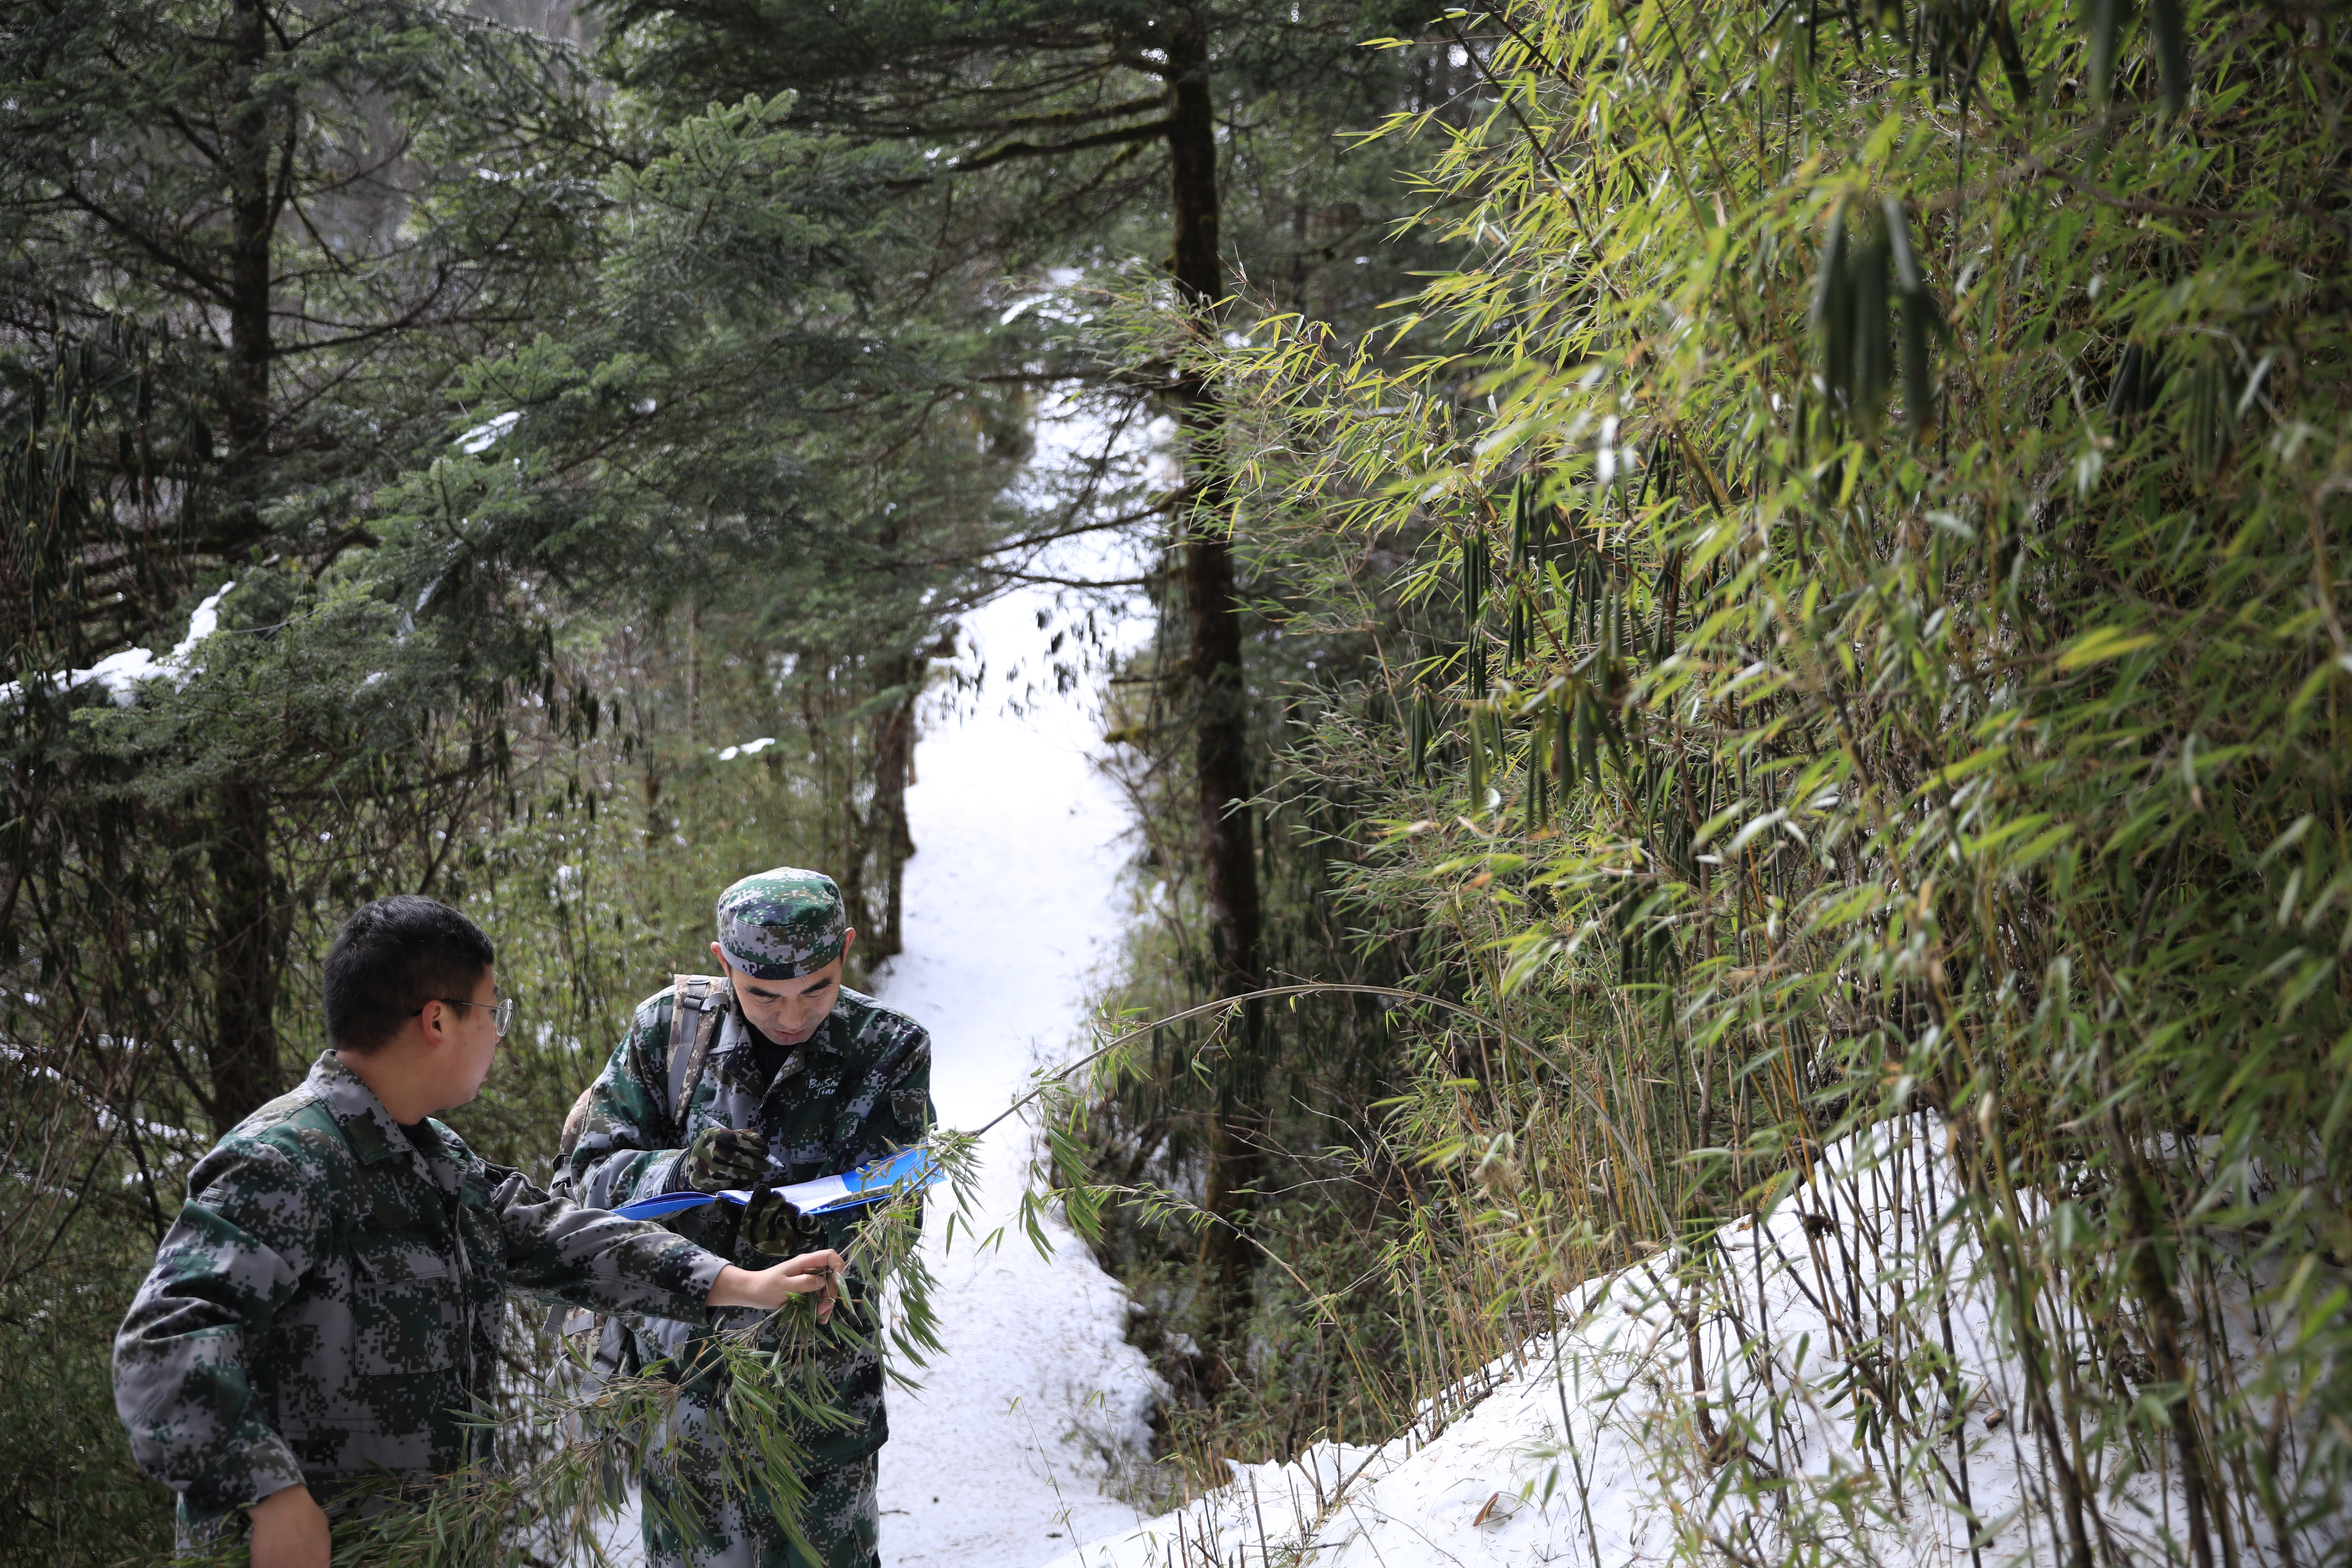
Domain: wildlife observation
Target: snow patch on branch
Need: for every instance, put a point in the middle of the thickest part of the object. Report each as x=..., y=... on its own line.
x=121, y=674
x=485, y=436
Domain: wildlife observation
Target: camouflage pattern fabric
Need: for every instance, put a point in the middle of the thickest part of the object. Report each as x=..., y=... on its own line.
x=840, y=1516
x=722, y=1158
x=856, y=1090
x=773, y=1227
x=328, y=1301
x=781, y=924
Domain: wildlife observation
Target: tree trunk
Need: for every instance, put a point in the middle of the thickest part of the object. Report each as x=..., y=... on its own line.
x=875, y=841
x=243, y=1055
x=252, y=221
x=1218, y=692
x=242, y=1060
x=894, y=768
x=693, y=670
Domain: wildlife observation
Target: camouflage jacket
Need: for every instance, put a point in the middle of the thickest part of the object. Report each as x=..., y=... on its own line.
x=329, y=1302
x=856, y=1090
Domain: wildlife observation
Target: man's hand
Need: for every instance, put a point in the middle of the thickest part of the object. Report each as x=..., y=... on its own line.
x=811, y=1274
x=722, y=1158
x=289, y=1530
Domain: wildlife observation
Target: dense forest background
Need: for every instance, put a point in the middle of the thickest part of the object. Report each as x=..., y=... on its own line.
x=537, y=455
x=1725, y=576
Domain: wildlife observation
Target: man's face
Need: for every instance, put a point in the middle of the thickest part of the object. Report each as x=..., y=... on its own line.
x=472, y=1038
x=788, y=1011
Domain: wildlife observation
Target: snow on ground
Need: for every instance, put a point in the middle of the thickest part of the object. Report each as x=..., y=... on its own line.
x=1792, y=1327
x=1013, y=900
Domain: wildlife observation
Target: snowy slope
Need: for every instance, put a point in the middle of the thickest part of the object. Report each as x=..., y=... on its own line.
x=1769, y=1461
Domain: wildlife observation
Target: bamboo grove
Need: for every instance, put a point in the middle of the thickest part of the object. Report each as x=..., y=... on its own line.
x=1859, y=647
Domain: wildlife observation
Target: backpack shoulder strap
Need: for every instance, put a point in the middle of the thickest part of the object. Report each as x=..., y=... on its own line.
x=704, y=999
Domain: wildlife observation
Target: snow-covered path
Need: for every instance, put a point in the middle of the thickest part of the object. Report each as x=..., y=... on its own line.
x=1012, y=899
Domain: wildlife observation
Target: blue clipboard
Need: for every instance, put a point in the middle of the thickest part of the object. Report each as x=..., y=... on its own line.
x=909, y=1171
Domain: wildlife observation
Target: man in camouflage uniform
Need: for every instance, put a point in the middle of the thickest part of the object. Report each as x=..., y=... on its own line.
x=327, y=1307
x=784, y=1076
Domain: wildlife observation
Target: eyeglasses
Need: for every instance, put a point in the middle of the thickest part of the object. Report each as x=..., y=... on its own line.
x=502, y=1011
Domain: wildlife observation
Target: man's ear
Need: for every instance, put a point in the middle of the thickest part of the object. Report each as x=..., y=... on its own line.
x=848, y=936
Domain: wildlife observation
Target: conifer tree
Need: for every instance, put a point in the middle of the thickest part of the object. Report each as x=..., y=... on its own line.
x=1051, y=131
x=246, y=243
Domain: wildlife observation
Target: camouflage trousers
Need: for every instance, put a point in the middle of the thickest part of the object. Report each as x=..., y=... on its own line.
x=840, y=1516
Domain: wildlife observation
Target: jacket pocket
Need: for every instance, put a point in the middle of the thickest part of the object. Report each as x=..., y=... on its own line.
x=406, y=1311
x=369, y=1369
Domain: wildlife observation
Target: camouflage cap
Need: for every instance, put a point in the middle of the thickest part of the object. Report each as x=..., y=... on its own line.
x=781, y=924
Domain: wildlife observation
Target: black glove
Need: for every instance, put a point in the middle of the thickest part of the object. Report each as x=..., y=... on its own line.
x=772, y=1227
x=721, y=1158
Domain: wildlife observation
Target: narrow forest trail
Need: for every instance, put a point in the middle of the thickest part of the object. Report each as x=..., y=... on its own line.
x=1013, y=901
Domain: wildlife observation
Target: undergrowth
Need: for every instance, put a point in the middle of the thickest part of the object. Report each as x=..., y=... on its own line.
x=1851, y=633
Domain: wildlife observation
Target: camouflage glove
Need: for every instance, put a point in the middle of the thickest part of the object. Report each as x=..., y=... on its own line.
x=724, y=1157
x=772, y=1226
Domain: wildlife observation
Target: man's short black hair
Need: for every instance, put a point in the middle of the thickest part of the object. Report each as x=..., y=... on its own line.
x=390, y=958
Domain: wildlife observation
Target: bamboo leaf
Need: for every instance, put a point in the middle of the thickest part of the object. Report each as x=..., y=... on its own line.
x=2102, y=644
x=2171, y=51
x=2106, y=21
